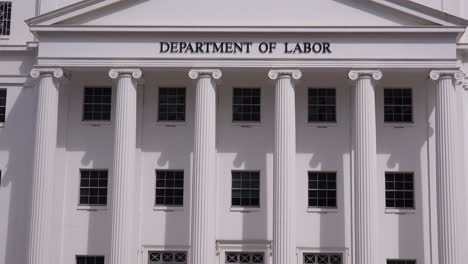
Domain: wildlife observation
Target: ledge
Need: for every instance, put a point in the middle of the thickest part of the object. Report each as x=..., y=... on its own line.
x=322, y=210
x=246, y=124
x=321, y=124
x=92, y=207
x=171, y=124
x=399, y=125
x=96, y=123
x=168, y=208
x=245, y=209
x=399, y=211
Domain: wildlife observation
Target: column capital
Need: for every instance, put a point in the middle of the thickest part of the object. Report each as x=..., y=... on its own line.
x=136, y=73
x=55, y=72
x=457, y=75
x=274, y=74
x=356, y=74
x=196, y=73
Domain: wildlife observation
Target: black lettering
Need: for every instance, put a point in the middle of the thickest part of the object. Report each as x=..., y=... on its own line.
x=307, y=48
x=326, y=47
x=198, y=47
x=317, y=47
x=164, y=47
x=174, y=47
x=218, y=47
x=248, y=45
x=263, y=47
x=286, y=50
x=229, y=48
x=182, y=47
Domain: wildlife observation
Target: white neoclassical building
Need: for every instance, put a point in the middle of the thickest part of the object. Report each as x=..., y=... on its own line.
x=244, y=132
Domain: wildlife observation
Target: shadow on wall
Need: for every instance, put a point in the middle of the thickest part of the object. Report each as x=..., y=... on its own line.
x=17, y=140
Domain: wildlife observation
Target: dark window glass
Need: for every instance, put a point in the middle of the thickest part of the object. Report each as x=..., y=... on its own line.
x=93, y=187
x=245, y=188
x=3, y=94
x=322, y=105
x=246, y=105
x=169, y=187
x=89, y=259
x=401, y=261
x=323, y=258
x=171, y=104
x=398, y=105
x=167, y=257
x=97, y=104
x=245, y=257
x=399, y=190
x=322, y=189
x=5, y=18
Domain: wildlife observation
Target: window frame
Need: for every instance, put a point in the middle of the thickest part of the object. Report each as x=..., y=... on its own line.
x=165, y=207
x=80, y=255
x=398, y=124
x=2, y=123
x=321, y=123
x=400, y=210
x=97, y=122
x=242, y=208
x=415, y=261
x=246, y=123
x=261, y=246
x=317, y=250
x=170, y=123
x=6, y=37
x=146, y=249
x=322, y=209
x=93, y=207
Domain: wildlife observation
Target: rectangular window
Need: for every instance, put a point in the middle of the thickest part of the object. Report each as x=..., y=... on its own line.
x=97, y=104
x=167, y=257
x=93, y=187
x=322, y=189
x=245, y=189
x=246, y=105
x=89, y=259
x=399, y=190
x=323, y=258
x=5, y=18
x=322, y=105
x=169, y=188
x=245, y=257
x=398, y=105
x=171, y=104
x=3, y=94
x=401, y=261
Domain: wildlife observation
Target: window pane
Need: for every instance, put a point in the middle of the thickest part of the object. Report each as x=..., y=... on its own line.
x=169, y=187
x=246, y=105
x=97, y=103
x=322, y=189
x=322, y=105
x=245, y=188
x=171, y=107
x=398, y=105
x=93, y=187
x=399, y=190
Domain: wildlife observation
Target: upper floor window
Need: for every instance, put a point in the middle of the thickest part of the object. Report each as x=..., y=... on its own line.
x=97, y=104
x=401, y=261
x=322, y=189
x=167, y=257
x=399, y=190
x=245, y=189
x=322, y=105
x=246, y=105
x=323, y=258
x=5, y=18
x=93, y=187
x=3, y=94
x=244, y=257
x=171, y=104
x=398, y=105
x=169, y=188
x=89, y=259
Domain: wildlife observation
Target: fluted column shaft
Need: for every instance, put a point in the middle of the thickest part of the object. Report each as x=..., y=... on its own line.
x=123, y=250
x=284, y=225
x=450, y=216
x=203, y=223
x=43, y=165
x=365, y=159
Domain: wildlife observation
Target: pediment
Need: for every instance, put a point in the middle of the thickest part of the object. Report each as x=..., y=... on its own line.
x=239, y=13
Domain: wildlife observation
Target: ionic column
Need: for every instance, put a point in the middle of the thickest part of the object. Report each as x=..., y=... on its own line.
x=43, y=165
x=203, y=237
x=284, y=225
x=365, y=162
x=450, y=214
x=123, y=250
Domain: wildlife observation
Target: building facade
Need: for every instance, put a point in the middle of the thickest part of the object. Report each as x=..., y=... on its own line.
x=213, y=132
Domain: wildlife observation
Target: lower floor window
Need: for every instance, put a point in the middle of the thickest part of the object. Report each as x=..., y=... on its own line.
x=323, y=258
x=167, y=257
x=401, y=261
x=89, y=259
x=245, y=257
